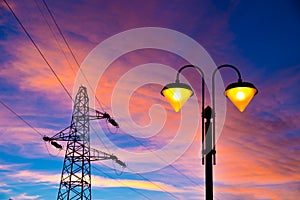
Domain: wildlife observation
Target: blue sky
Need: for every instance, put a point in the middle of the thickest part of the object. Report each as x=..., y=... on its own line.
x=257, y=151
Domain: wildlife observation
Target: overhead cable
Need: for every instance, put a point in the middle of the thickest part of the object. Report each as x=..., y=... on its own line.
x=38, y=49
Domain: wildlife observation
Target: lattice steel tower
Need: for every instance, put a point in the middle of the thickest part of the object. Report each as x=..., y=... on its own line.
x=76, y=173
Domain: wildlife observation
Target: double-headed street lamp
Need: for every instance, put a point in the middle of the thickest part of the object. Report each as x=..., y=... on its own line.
x=240, y=93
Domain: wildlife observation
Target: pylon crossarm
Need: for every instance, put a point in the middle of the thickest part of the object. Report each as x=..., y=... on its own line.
x=103, y=115
x=66, y=134
x=100, y=155
x=98, y=115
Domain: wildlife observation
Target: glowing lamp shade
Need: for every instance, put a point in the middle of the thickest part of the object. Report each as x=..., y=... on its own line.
x=177, y=94
x=240, y=94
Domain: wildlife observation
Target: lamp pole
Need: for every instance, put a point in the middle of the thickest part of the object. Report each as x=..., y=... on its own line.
x=240, y=93
x=210, y=156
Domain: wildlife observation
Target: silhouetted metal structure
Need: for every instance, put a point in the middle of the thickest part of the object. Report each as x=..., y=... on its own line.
x=240, y=93
x=76, y=173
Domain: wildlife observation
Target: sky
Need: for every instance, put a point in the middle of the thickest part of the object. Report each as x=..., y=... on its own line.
x=124, y=52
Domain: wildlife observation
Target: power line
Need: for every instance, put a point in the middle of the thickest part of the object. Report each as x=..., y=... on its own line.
x=75, y=59
x=72, y=53
x=106, y=148
x=191, y=180
x=55, y=37
x=158, y=156
x=38, y=49
x=139, y=173
x=153, y=183
x=177, y=170
x=142, y=175
x=21, y=118
x=135, y=190
x=28, y=124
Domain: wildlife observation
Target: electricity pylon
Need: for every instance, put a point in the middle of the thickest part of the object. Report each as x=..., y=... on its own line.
x=76, y=173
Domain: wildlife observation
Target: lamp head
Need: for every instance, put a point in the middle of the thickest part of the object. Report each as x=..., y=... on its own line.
x=177, y=94
x=240, y=94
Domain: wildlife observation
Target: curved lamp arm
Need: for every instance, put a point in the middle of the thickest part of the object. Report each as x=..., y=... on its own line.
x=189, y=66
x=213, y=100
x=213, y=79
x=203, y=98
x=228, y=66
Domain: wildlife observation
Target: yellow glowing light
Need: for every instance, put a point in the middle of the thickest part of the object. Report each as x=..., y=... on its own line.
x=241, y=96
x=177, y=94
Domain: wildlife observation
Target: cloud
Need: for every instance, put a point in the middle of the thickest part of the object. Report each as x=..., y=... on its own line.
x=3, y=185
x=35, y=176
x=24, y=196
x=6, y=191
x=25, y=141
x=97, y=181
x=9, y=166
x=255, y=191
x=138, y=184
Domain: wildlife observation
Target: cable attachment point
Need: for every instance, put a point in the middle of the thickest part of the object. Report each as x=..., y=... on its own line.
x=47, y=139
x=58, y=146
x=55, y=144
x=110, y=120
x=115, y=158
x=121, y=163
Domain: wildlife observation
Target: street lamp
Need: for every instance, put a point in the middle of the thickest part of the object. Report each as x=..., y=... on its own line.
x=240, y=94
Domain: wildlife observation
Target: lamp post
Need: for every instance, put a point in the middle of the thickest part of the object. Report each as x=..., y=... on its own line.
x=240, y=94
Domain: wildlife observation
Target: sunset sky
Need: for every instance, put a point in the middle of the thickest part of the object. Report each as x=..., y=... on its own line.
x=128, y=50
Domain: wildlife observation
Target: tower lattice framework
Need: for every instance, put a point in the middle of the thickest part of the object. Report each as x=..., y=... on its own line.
x=75, y=183
x=76, y=173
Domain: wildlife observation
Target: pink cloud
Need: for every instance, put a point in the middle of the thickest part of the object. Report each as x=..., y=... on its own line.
x=24, y=196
